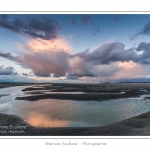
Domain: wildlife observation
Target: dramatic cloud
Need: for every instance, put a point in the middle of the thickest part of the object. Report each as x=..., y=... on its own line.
x=42, y=63
x=39, y=45
x=114, y=52
x=44, y=28
x=144, y=46
x=45, y=59
x=108, y=53
x=7, y=71
x=108, y=60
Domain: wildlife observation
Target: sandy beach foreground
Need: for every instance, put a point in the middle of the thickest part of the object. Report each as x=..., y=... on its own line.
x=11, y=125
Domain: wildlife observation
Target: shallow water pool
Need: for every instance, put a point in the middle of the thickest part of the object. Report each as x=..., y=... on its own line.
x=69, y=113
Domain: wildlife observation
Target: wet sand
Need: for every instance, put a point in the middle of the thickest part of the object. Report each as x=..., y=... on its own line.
x=135, y=126
x=97, y=92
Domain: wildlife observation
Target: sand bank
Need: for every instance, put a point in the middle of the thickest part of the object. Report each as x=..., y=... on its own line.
x=136, y=126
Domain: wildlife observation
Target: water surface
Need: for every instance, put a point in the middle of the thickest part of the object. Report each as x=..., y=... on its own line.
x=69, y=113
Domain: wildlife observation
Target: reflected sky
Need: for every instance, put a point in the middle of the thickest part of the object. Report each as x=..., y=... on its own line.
x=68, y=113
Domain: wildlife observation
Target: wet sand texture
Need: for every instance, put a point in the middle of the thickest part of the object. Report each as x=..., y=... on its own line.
x=136, y=126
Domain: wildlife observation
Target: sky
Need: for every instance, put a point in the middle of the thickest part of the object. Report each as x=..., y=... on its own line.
x=75, y=48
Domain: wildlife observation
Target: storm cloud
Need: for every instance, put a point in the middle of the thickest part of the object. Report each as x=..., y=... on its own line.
x=44, y=58
x=42, y=63
x=108, y=53
x=102, y=62
x=44, y=28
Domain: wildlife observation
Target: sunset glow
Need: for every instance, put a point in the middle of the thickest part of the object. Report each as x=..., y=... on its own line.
x=37, y=121
x=55, y=45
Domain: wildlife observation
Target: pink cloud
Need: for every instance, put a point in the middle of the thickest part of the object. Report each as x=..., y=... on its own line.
x=40, y=45
x=43, y=57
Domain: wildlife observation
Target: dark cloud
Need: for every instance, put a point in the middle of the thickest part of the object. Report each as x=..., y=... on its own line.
x=103, y=61
x=100, y=62
x=144, y=31
x=73, y=22
x=8, y=56
x=7, y=71
x=85, y=19
x=145, y=48
x=43, y=63
x=108, y=53
x=44, y=28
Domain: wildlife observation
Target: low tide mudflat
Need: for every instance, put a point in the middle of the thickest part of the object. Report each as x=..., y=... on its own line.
x=135, y=125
